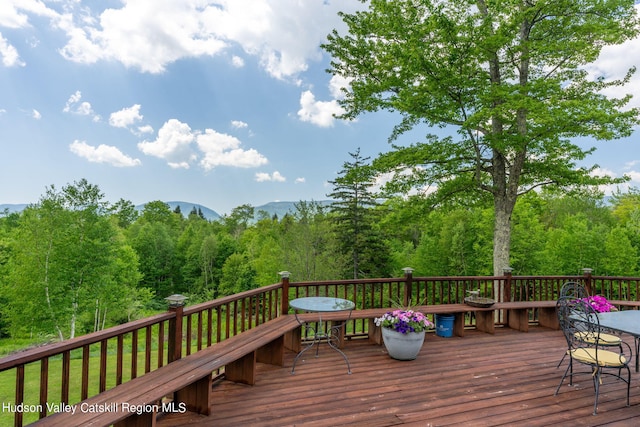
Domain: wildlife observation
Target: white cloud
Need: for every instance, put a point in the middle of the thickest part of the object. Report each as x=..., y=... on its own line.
x=320, y=113
x=300, y=180
x=239, y=124
x=614, y=62
x=224, y=150
x=145, y=129
x=9, y=54
x=336, y=86
x=173, y=144
x=75, y=106
x=145, y=34
x=103, y=154
x=36, y=114
x=126, y=117
x=274, y=177
x=181, y=147
x=237, y=62
x=284, y=35
x=14, y=13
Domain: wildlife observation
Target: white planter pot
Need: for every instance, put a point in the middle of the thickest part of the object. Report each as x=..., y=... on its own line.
x=402, y=346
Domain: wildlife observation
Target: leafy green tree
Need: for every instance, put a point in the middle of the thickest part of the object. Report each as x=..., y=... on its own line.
x=237, y=275
x=125, y=213
x=356, y=219
x=66, y=261
x=238, y=220
x=508, y=75
x=574, y=245
x=155, y=248
x=620, y=257
x=310, y=248
x=264, y=249
x=529, y=235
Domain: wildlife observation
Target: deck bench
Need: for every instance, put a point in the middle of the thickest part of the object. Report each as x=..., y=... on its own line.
x=633, y=305
x=517, y=317
x=189, y=380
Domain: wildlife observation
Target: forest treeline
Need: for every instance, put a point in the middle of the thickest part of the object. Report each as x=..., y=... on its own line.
x=73, y=263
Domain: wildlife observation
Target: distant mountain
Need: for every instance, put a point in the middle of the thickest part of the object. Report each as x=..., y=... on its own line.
x=186, y=208
x=13, y=208
x=280, y=209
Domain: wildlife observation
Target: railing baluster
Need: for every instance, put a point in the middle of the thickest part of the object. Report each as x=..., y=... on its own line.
x=84, y=388
x=199, y=344
x=44, y=386
x=160, y=344
x=188, y=338
x=119, y=359
x=103, y=365
x=17, y=417
x=134, y=354
x=147, y=350
x=66, y=373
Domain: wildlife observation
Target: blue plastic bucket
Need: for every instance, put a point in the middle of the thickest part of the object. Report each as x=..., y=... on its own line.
x=444, y=325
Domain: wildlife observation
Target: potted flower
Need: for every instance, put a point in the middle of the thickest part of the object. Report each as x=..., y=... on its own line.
x=599, y=303
x=403, y=332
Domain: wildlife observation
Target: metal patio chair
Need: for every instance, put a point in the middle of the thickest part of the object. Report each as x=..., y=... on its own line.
x=581, y=327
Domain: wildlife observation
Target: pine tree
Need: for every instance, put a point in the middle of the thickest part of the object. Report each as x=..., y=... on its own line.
x=355, y=215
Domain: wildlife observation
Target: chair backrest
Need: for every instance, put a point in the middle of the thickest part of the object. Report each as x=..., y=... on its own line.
x=579, y=323
x=574, y=290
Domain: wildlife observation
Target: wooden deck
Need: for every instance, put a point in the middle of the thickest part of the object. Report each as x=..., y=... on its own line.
x=481, y=380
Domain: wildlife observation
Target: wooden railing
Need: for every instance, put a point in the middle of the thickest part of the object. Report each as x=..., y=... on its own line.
x=72, y=370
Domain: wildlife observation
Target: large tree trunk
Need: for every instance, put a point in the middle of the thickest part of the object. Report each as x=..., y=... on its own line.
x=503, y=207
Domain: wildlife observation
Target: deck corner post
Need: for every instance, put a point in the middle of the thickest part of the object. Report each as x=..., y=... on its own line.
x=508, y=274
x=174, y=345
x=408, y=282
x=284, y=280
x=587, y=273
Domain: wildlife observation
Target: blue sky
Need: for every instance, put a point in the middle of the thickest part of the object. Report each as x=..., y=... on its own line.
x=219, y=103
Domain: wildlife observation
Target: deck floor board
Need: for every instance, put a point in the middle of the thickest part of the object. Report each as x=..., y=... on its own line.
x=504, y=379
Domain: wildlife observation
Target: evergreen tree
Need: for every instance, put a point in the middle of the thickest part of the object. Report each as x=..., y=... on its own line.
x=356, y=218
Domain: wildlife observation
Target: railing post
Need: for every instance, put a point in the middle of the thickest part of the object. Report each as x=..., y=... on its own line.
x=408, y=281
x=174, y=344
x=586, y=272
x=284, y=279
x=508, y=273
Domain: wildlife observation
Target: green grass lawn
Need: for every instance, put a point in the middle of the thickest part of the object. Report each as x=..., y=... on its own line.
x=32, y=378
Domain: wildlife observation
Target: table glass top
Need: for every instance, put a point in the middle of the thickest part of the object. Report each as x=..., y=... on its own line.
x=321, y=304
x=625, y=321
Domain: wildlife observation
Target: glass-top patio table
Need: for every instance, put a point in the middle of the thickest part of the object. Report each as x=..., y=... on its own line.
x=627, y=321
x=320, y=332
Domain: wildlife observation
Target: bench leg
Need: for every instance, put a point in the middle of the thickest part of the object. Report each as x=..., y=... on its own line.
x=518, y=318
x=242, y=370
x=458, y=324
x=293, y=340
x=485, y=321
x=548, y=318
x=337, y=330
x=272, y=353
x=196, y=396
x=374, y=333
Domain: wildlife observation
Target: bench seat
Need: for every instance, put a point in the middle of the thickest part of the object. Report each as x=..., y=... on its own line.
x=136, y=402
x=517, y=316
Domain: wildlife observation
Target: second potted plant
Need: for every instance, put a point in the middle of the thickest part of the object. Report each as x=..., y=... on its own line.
x=403, y=332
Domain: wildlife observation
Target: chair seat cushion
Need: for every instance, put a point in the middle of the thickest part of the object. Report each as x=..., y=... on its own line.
x=606, y=358
x=605, y=339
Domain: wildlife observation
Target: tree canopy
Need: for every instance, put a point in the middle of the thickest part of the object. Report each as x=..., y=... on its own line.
x=507, y=76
